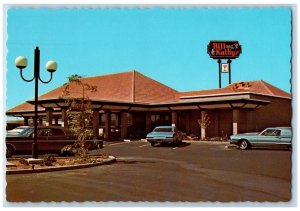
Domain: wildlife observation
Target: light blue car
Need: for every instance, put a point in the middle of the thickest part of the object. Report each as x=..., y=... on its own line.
x=164, y=134
x=279, y=137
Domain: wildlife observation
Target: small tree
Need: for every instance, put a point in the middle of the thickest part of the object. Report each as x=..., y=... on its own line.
x=80, y=113
x=204, y=123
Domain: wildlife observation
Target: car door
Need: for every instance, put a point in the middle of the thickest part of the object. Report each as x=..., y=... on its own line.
x=285, y=138
x=57, y=139
x=42, y=138
x=269, y=138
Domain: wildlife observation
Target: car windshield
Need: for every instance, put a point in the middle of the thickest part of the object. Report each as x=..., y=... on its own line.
x=163, y=129
x=15, y=131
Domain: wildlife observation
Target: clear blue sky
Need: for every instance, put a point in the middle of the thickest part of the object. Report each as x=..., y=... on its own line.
x=168, y=45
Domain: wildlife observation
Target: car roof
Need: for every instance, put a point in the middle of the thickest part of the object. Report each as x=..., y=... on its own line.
x=281, y=128
x=66, y=130
x=164, y=127
x=22, y=127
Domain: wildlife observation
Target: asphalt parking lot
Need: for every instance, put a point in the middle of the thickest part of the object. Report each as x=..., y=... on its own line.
x=190, y=172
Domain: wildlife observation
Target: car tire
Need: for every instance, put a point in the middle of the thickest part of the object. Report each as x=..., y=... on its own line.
x=243, y=144
x=153, y=144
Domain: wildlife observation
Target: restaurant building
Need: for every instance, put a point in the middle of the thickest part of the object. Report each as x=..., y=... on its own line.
x=128, y=105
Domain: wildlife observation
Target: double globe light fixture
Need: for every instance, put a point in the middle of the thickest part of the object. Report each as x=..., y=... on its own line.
x=51, y=66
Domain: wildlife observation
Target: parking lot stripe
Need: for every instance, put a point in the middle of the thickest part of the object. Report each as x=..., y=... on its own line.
x=145, y=145
x=117, y=143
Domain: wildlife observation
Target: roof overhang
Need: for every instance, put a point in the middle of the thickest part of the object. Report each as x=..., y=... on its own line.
x=214, y=104
x=203, y=104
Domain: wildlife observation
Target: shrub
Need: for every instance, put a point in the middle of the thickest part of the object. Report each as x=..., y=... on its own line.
x=23, y=161
x=49, y=160
x=68, y=150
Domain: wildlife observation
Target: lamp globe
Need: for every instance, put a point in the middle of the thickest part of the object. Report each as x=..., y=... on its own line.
x=51, y=66
x=21, y=62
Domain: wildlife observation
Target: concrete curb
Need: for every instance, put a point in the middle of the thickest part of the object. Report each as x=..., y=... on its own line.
x=110, y=160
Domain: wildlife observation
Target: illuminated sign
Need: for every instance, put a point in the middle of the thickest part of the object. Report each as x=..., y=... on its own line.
x=224, y=49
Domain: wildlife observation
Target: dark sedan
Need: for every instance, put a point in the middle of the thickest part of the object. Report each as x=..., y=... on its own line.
x=50, y=139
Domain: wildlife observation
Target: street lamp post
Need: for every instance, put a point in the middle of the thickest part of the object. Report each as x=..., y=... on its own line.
x=51, y=66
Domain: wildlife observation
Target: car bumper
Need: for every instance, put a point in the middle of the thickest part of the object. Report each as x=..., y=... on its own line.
x=158, y=140
x=233, y=142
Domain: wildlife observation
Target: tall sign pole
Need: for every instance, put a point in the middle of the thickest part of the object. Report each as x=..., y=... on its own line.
x=222, y=49
x=220, y=70
x=229, y=70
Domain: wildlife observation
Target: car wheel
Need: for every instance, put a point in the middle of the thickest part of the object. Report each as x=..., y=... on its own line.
x=243, y=144
x=153, y=144
x=9, y=152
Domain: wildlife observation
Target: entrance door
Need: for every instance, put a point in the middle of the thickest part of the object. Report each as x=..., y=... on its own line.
x=138, y=128
x=115, y=129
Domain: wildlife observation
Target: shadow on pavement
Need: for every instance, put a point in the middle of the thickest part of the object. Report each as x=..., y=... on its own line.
x=182, y=144
x=132, y=162
x=270, y=149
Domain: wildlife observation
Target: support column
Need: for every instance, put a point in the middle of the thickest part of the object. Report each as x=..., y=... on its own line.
x=216, y=124
x=251, y=127
x=124, y=124
x=96, y=123
x=31, y=123
x=235, y=121
x=26, y=121
x=174, y=118
x=203, y=124
x=107, y=124
x=187, y=122
x=49, y=116
x=64, y=117
x=56, y=120
x=41, y=121
x=148, y=122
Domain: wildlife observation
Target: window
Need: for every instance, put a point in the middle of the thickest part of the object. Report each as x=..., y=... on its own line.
x=114, y=120
x=163, y=129
x=155, y=118
x=56, y=132
x=50, y=132
x=43, y=132
x=102, y=120
x=271, y=132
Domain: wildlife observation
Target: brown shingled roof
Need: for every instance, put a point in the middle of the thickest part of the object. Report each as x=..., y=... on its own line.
x=259, y=86
x=147, y=90
x=24, y=107
x=112, y=87
x=134, y=87
x=130, y=87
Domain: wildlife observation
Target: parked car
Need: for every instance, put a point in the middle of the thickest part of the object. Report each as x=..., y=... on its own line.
x=50, y=139
x=12, y=125
x=164, y=134
x=270, y=137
